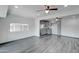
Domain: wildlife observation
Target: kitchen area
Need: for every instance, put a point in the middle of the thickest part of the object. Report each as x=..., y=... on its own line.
x=49, y=27
x=45, y=28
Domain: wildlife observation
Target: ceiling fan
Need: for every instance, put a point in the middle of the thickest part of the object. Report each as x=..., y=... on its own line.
x=58, y=18
x=48, y=8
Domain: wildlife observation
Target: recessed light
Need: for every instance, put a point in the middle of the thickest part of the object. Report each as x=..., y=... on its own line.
x=15, y=6
x=65, y=5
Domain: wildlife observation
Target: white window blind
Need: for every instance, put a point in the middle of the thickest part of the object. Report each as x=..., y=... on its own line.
x=18, y=27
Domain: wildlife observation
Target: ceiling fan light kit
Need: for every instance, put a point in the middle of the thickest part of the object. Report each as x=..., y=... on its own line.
x=46, y=11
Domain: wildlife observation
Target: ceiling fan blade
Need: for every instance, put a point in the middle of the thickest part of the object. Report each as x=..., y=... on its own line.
x=54, y=9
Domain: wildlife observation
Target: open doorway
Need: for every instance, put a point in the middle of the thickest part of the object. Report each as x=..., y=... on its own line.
x=45, y=27
x=48, y=27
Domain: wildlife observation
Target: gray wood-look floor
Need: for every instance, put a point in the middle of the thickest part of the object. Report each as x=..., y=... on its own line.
x=44, y=44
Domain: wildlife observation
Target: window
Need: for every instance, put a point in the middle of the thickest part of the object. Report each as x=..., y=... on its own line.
x=18, y=27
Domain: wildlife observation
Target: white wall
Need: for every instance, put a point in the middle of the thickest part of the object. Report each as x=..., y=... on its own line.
x=70, y=26
x=54, y=29
x=6, y=35
x=37, y=27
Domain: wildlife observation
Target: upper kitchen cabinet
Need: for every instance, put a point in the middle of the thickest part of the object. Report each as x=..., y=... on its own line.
x=3, y=11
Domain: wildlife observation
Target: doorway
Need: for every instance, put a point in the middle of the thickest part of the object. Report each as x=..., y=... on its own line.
x=45, y=28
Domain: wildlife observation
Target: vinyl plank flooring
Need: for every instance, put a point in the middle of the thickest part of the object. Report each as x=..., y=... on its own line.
x=43, y=44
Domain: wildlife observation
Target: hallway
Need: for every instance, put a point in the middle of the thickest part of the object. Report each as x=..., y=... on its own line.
x=44, y=44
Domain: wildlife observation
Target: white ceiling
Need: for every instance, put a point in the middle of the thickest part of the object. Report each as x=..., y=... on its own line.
x=31, y=11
